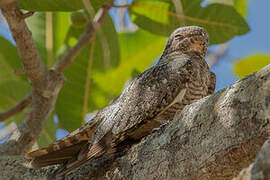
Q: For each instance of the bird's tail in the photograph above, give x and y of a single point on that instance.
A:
(63, 149)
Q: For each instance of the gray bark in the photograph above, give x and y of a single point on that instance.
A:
(260, 168)
(213, 138)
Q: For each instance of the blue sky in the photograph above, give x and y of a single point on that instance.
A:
(255, 41)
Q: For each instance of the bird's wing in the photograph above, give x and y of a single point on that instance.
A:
(65, 148)
(152, 93)
(85, 154)
(131, 116)
(57, 157)
(212, 85)
(148, 95)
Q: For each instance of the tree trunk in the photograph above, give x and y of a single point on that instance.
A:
(213, 138)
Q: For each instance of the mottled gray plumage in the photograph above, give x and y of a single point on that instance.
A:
(181, 77)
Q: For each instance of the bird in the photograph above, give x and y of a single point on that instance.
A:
(180, 77)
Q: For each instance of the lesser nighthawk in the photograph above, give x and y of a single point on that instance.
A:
(181, 77)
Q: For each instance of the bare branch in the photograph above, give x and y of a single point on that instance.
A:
(85, 38)
(214, 57)
(16, 109)
(28, 14)
(5, 2)
(122, 6)
(179, 10)
(45, 85)
(101, 35)
(34, 68)
(19, 71)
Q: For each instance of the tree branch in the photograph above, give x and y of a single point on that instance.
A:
(34, 68)
(84, 39)
(122, 6)
(260, 168)
(28, 14)
(213, 138)
(45, 84)
(214, 57)
(16, 109)
(179, 10)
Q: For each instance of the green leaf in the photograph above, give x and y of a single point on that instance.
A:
(221, 21)
(138, 51)
(75, 98)
(61, 25)
(251, 64)
(49, 32)
(37, 25)
(9, 93)
(9, 81)
(48, 133)
(57, 5)
(10, 96)
(241, 7)
(9, 61)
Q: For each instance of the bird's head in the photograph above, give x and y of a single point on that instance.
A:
(186, 39)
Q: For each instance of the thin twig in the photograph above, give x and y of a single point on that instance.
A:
(85, 38)
(101, 35)
(28, 52)
(179, 10)
(19, 71)
(122, 6)
(16, 109)
(45, 85)
(214, 57)
(27, 14)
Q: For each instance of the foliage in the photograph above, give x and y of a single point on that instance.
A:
(251, 64)
(100, 71)
(221, 21)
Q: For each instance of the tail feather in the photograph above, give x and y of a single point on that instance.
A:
(58, 157)
(84, 155)
(76, 137)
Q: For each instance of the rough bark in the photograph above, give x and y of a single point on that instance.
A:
(213, 138)
(260, 168)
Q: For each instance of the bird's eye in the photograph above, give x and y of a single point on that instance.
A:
(178, 37)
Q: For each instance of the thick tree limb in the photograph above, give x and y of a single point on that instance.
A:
(45, 85)
(213, 138)
(260, 168)
(84, 39)
(16, 109)
(34, 68)
(42, 105)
